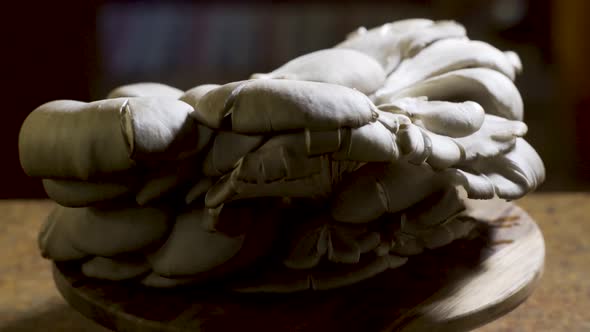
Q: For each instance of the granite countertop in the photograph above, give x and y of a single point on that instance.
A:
(29, 300)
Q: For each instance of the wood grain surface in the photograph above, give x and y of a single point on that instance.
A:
(459, 287)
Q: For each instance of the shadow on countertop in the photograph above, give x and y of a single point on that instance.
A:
(49, 318)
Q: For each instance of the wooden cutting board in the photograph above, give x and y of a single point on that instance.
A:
(456, 288)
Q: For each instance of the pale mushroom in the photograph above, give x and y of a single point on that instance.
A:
(115, 268)
(146, 89)
(53, 240)
(76, 193)
(390, 43)
(317, 175)
(346, 67)
(227, 149)
(447, 55)
(76, 140)
(509, 176)
(261, 106)
(106, 232)
(384, 188)
(191, 248)
(440, 117)
(495, 92)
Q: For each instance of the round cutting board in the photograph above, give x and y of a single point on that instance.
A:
(455, 288)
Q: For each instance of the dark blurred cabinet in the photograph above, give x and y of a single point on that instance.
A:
(571, 42)
(48, 52)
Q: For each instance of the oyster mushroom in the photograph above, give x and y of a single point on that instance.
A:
(445, 56)
(345, 67)
(509, 176)
(335, 167)
(75, 193)
(384, 188)
(76, 140)
(440, 117)
(146, 89)
(105, 232)
(390, 43)
(270, 105)
(53, 240)
(493, 91)
(120, 268)
(227, 149)
(191, 248)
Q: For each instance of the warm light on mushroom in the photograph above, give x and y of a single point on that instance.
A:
(394, 128)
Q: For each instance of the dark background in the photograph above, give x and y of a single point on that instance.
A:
(83, 49)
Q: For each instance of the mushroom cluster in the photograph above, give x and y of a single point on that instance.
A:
(335, 167)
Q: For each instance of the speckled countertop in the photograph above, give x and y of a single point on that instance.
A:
(30, 302)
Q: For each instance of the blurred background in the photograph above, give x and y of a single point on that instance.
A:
(83, 49)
